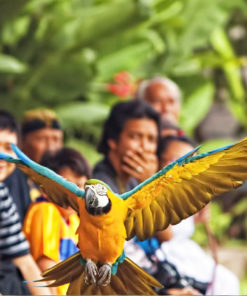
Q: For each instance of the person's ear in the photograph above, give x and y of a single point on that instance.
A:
(112, 144)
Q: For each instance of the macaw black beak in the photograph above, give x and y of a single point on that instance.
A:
(91, 200)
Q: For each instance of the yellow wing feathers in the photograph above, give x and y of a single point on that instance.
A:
(56, 192)
(184, 190)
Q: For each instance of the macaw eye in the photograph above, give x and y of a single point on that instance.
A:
(100, 189)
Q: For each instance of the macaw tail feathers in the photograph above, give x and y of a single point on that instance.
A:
(129, 280)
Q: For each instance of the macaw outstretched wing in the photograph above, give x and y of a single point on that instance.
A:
(182, 188)
(58, 189)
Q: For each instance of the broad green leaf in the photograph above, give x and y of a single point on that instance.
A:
(195, 107)
(233, 75)
(187, 68)
(125, 59)
(222, 45)
(9, 64)
(14, 31)
(75, 114)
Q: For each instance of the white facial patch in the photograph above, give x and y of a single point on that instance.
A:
(103, 201)
(99, 194)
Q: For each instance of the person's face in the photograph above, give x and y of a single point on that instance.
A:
(6, 138)
(71, 176)
(35, 143)
(164, 102)
(137, 136)
(175, 150)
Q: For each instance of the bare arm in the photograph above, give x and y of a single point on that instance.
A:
(46, 263)
(203, 216)
(165, 235)
(30, 272)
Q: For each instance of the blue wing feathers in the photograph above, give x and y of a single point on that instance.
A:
(182, 160)
(23, 159)
(7, 157)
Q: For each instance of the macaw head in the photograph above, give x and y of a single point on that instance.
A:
(96, 198)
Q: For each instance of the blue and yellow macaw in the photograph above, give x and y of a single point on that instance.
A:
(107, 219)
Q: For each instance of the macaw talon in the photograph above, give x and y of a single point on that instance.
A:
(104, 277)
(91, 272)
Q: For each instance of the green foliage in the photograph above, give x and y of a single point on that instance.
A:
(239, 219)
(243, 286)
(214, 144)
(219, 224)
(60, 54)
(9, 64)
(203, 97)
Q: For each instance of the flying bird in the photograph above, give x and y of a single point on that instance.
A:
(107, 219)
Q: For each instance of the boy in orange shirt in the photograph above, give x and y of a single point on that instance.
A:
(49, 228)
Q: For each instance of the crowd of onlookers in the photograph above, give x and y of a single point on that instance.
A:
(139, 137)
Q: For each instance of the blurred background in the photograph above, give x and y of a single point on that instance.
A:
(79, 57)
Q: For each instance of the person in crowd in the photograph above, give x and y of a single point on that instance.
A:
(129, 144)
(16, 262)
(191, 262)
(50, 229)
(40, 132)
(165, 98)
(16, 181)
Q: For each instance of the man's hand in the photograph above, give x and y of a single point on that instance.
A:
(140, 165)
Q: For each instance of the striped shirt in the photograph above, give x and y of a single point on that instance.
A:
(12, 240)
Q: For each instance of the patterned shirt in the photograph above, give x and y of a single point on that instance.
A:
(12, 240)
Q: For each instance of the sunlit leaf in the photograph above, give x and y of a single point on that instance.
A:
(9, 64)
(195, 108)
(231, 66)
(82, 113)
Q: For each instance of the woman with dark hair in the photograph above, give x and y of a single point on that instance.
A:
(51, 229)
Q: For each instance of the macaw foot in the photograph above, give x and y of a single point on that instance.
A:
(91, 272)
(104, 277)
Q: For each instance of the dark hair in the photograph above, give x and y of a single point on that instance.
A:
(166, 141)
(119, 115)
(67, 157)
(8, 122)
(36, 119)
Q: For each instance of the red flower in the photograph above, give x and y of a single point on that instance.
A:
(124, 86)
(122, 77)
